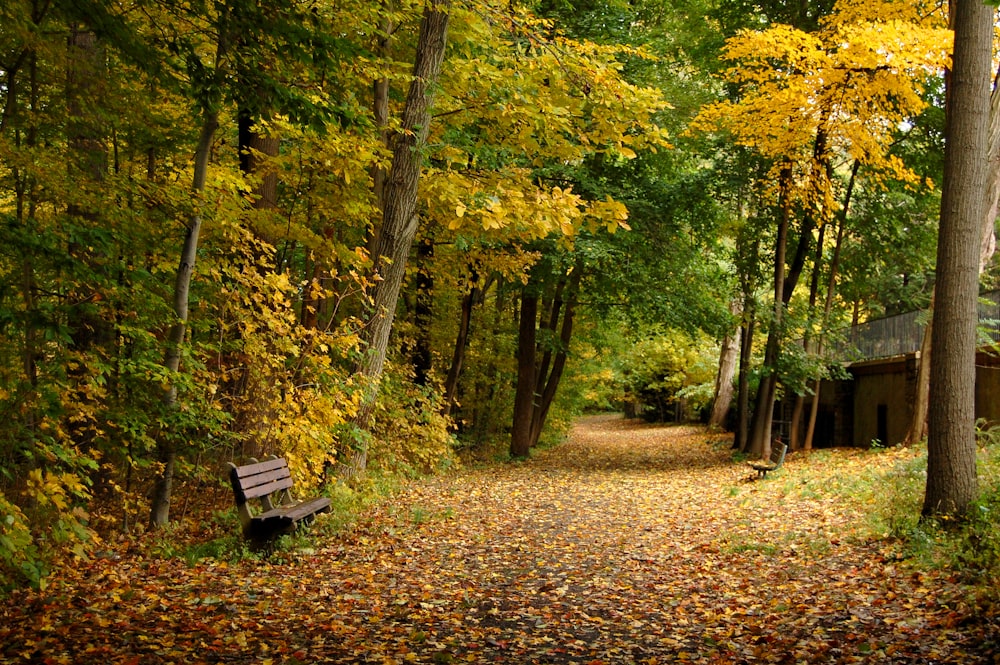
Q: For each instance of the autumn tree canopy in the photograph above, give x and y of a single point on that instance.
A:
(374, 233)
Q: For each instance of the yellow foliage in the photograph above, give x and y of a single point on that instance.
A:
(855, 80)
(531, 100)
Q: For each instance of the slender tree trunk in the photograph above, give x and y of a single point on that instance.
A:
(380, 102)
(547, 382)
(831, 286)
(951, 444)
(399, 212)
(728, 356)
(167, 445)
(922, 390)
(422, 356)
(808, 344)
(742, 440)
(524, 395)
(988, 242)
(458, 355)
(760, 430)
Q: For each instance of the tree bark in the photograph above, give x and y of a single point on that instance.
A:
(167, 444)
(524, 395)
(423, 359)
(809, 343)
(399, 212)
(760, 428)
(922, 391)
(253, 143)
(728, 356)
(987, 248)
(831, 285)
(458, 355)
(951, 444)
(547, 382)
(742, 439)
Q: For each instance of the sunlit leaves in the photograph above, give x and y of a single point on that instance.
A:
(856, 80)
(513, 100)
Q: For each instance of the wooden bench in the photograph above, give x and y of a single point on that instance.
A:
(270, 482)
(778, 449)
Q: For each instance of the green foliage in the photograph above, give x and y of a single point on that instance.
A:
(971, 547)
(411, 435)
(659, 371)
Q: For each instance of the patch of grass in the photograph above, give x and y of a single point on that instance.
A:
(739, 545)
(971, 547)
(418, 515)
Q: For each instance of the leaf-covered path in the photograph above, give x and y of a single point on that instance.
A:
(627, 544)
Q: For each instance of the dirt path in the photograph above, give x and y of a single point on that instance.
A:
(628, 544)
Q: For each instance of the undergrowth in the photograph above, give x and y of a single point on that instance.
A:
(219, 537)
(971, 547)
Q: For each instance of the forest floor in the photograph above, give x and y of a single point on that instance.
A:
(629, 543)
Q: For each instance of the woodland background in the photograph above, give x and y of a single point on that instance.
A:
(212, 220)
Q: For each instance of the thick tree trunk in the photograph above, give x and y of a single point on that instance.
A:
(524, 395)
(951, 443)
(253, 145)
(88, 152)
(987, 248)
(728, 356)
(399, 211)
(167, 444)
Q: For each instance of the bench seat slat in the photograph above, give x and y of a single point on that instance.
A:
(296, 512)
(266, 484)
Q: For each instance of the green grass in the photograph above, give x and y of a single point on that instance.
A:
(969, 547)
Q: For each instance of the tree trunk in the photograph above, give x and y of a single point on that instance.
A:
(760, 429)
(728, 356)
(922, 391)
(988, 242)
(524, 396)
(808, 343)
(422, 356)
(88, 160)
(831, 285)
(167, 444)
(458, 355)
(742, 440)
(399, 211)
(987, 248)
(547, 381)
(951, 436)
(252, 144)
(380, 99)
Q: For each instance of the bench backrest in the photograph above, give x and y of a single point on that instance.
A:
(778, 450)
(260, 479)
